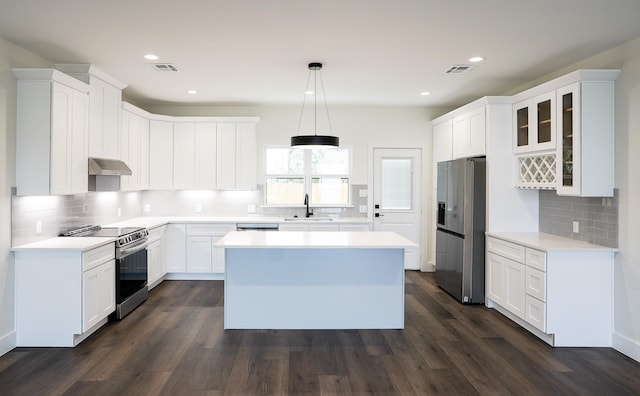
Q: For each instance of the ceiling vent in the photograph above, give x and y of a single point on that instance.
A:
(458, 69)
(164, 67)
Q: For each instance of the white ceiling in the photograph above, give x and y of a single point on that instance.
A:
(374, 51)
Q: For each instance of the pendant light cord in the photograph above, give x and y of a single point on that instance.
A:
(326, 107)
(315, 102)
(304, 100)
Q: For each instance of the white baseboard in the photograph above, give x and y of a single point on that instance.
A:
(7, 342)
(428, 267)
(193, 276)
(626, 346)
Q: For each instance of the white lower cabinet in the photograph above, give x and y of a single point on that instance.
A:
(191, 253)
(505, 283)
(199, 254)
(156, 261)
(98, 294)
(323, 227)
(176, 248)
(202, 255)
(563, 295)
(63, 295)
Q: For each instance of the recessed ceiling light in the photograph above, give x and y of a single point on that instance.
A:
(151, 57)
(192, 92)
(476, 59)
(425, 93)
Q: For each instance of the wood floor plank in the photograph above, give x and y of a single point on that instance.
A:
(175, 344)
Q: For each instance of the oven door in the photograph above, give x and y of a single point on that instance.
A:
(131, 273)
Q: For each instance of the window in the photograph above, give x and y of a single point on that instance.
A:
(292, 173)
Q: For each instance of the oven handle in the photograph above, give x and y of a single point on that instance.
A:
(129, 250)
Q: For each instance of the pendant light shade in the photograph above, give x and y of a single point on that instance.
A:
(304, 141)
(315, 141)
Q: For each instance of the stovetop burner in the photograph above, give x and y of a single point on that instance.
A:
(125, 235)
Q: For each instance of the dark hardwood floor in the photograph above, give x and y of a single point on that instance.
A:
(174, 344)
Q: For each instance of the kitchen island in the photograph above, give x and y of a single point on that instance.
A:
(314, 280)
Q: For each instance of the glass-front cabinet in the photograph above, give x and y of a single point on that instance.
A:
(568, 151)
(585, 152)
(534, 129)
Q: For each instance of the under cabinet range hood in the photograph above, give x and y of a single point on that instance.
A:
(104, 174)
(107, 167)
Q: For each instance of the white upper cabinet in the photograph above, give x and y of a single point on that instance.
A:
(184, 155)
(585, 152)
(134, 138)
(105, 98)
(52, 132)
(195, 147)
(460, 138)
(469, 134)
(160, 155)
(534, 124)
(563, 134)
(205, 156)
(442, 141)
(236, 156)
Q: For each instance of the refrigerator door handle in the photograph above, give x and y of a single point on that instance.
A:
(442, 209)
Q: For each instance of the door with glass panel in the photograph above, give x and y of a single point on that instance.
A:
(396, 196)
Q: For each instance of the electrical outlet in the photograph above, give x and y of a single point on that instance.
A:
(251, 208)
(363, 209)
(576, 227)
(119, 212)
(38, 227)
(363, 193)
(147, 208)
(198, 208)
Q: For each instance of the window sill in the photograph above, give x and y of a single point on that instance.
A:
(303, 206)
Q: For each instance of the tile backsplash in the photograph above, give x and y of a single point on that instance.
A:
(597, 217)
(58, 213)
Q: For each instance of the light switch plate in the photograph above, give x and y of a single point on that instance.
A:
(363, 193)
(576, 227)
(363, 208)
(147, 208)
(251, 208)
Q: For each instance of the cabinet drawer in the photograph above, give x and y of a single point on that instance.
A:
(506, 249)
(354, 227)
(536, 313)
(536, 259)
(324, 227)
(97, 256)
(535, 283)
(210, 229)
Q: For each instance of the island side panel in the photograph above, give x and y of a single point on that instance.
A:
(323, 288)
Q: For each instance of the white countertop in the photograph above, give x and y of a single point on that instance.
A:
(151, 222)
(314, 239)
(548, 242)
(66, 243)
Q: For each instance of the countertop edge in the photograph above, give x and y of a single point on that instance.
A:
(549, 242)
(65, 243)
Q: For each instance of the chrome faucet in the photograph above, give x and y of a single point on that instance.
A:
(306, 202)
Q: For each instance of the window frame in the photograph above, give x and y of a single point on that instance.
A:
(307, 177)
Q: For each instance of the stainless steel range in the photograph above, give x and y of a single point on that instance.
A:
(131, 263)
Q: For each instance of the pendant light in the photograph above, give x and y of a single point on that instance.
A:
(315, 140)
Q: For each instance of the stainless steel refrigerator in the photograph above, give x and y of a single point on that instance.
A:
(460, 228)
